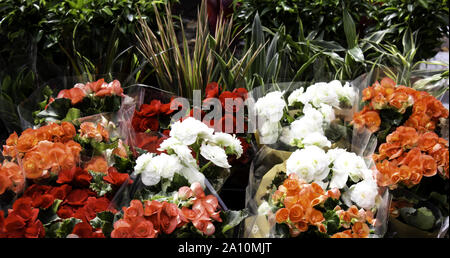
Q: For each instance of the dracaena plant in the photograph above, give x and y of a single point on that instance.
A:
(184, 65)
(400, 65)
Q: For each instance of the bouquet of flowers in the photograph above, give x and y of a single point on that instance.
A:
(188, 212)
(333, 191)
(412, 157)
(79, 101)
(67, 183)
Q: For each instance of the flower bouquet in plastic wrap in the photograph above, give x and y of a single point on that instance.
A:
(411, 157)
(220, 110)
(317, 187)
(168, 192)
(53, 104)
(59, 180)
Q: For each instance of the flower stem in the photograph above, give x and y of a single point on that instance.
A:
(205, 166)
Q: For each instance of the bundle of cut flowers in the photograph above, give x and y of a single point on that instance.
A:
(315, 116)
(412, 158)
(318, 193)
(151, 122)
(58, 181)
(192, 156)
(79, 101)
(188, 212)
(322, 189)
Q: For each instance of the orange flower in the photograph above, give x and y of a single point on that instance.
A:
(69, 130)
(360, 230)
(32, 165)
(389, 150)
(292, 186)
(5, 182)
(296, 213)
(428, 140)
(120, 151)
(26, 141)
(407, 137)
(97, 164)
(429, 166)
(334, 193)
(12, 139)
(314, 216)
(76, 95)
(302, 226)
(282, 215)
(379, 101)
(388, 83)
(343, 234)
(317, 188)
(399, 100)
(372, 121)
(321, 227)
(368, 93)
(290, 201)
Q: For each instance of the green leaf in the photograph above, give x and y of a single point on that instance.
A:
(105, 221)
(61, 229)
(357, 54)
(48, 216)
(233, 218)
(72, 114)
(421, 218)
(98, 184)
(349, 29)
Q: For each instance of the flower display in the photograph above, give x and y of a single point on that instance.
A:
(306, 116)
(152, 218)
(307, 209)
(411, 156)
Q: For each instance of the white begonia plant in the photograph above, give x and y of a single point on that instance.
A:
(188, 130)
(271, 106)
(310, 164)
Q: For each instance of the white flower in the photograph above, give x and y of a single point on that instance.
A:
(311, 122)
(228, 140)
(323, 93)
(346, 93)
(142, 162)
(161, 166)
(193, 175)
(172, 144)
(295, 96)
(339, 179)
(286, 135)
(316, 139)
(350, 164)
(269, 132)
(310, 164)
(333, 154)
(271, 106)
(364, 193)
(327, 113)
(215, 154)
(264, 208)
(188, 130)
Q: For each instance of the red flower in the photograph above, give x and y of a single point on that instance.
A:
(65, 212)
(115, 178)
(231, 101)
(35, 229)
(85, 230)
(150, 110)
(148, 142)
(61, 192)
(77, 197)
(43, 201)
(77, 176)
(169, 217)
(212, 90)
